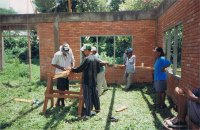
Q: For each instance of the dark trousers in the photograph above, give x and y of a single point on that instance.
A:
(62, 85)
(91, 98)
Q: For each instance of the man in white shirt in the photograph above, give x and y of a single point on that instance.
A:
(130, 68)
(63, 60)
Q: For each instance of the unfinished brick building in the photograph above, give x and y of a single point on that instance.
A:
(148, 29)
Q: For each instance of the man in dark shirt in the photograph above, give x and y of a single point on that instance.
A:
(90, 67)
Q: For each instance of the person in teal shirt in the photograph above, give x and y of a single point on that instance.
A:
(101, 79)
(160, 76)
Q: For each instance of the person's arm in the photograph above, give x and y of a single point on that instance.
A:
(81, 68)
(133, 59)
(73, 60)
(59, 67)
(192, 97)
(166, 63)
(55, 61)
(101, 62)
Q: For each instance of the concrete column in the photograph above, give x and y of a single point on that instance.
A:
(175, 50)
(169, 45)
(56, 34)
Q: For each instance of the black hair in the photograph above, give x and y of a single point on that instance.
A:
(159, 49)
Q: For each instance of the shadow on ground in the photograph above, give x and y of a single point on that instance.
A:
(147, 91)
(8, 124)
(58, 114)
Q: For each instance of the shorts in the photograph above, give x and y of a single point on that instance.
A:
(194, 112)
(160, 85)
(62, 84)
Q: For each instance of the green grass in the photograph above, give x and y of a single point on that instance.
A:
(140, 115)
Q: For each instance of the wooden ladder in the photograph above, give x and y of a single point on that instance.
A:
(50, 94)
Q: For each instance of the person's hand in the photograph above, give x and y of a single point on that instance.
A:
(68, 68)
(180, 91)
(163, 69)
(188, 92)
(106, 63)
(121, 66)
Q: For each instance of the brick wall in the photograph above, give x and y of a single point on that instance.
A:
(143, 32)
(186, 12)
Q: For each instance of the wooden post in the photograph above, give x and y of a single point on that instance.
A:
(48, 91)
(29, 54)
(1, 50)
(81, 101)
(69, 6)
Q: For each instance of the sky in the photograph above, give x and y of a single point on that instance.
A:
(20, 6)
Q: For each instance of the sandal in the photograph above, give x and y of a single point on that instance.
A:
(176, 123)
(113, 119)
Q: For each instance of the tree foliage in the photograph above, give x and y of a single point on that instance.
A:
(115, 5)
(95, 5)
(139, 4)
(44, 5)
(87, 6)
(17, 47)
(7, 11)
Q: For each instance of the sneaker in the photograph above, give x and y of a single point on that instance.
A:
(92, 113)
(97, 111)
(85, 118)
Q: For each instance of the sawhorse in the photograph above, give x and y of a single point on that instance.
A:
(50, 94)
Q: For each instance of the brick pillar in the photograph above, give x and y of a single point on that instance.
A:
(1, 50)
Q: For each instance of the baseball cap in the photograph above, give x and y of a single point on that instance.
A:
(129, 50)
(86, 47)
(94, 49)
(65, 48)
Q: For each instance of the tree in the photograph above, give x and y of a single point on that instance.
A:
(7, 11)
(87, 6)
(44, 6)
(114, 4)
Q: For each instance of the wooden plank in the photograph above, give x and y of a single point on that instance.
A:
(121, 108)
(62, 74)
(65, 92)
(23, 100)
(63, 96)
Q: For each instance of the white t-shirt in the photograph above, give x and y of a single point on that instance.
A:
(62, 60)
(130, 64)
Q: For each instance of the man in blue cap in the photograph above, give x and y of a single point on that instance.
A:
(130, 68)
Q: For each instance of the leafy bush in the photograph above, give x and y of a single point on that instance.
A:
(17, 47)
